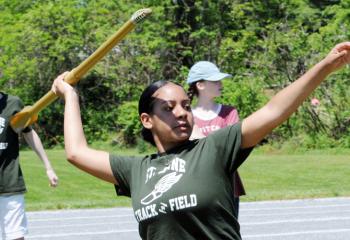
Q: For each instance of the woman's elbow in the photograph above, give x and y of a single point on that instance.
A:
(75, 152)
(73, 156)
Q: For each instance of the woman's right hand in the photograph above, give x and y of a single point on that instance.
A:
(60, 87)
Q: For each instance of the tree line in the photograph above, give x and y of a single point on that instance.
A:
(264, 44)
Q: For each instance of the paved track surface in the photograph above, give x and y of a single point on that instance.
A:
(311, 219)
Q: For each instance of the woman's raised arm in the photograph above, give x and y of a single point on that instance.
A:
(78, 152)
(256, 126)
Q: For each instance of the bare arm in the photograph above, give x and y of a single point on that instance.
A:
(256, 126)
(77, 150)
(35, 143)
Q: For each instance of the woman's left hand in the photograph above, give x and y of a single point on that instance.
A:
(339, 56)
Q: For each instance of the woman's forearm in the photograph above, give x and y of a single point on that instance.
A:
(35, 143)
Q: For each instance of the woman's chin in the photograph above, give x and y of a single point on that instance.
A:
(183, 136)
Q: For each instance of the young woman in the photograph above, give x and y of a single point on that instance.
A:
(184, 191)
(204, 79)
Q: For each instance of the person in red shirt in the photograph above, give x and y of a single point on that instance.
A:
(204, 81)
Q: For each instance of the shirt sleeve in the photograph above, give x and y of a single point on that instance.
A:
(122, 169)
(17, 107)
(232, 115)
(228, 142)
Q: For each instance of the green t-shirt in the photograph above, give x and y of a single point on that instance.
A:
(11, 177)
(186, 193)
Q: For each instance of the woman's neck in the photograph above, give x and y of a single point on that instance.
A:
(164, 148)
(205, 104)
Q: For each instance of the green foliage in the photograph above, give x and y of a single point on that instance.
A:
(242, 94)
(128, 120)
(265, 45)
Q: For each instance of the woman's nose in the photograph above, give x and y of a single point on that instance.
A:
(180, 112)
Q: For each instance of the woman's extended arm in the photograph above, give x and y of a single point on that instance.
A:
(77, 150)
(256, 126)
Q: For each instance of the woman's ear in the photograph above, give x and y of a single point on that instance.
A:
(200, 85)
(146, 120)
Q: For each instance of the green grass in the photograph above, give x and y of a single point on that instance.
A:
(320, 173)
(76, 189)
(266, 175)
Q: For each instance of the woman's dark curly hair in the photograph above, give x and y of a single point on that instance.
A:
(193, 90)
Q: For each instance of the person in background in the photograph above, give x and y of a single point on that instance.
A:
(204, 79)
(13, 221)
(184, 190)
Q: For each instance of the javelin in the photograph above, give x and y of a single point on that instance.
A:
(29, 114)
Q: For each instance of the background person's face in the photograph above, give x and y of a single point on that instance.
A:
(172, 119)
(211, 89)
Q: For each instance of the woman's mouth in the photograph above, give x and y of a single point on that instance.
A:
(183, 126)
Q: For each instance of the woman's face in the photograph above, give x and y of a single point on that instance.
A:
(171, 120)
(210, 89)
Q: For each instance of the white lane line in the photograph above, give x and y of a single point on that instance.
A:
(116, 224)
(308, 200)
(79, 234)
(293, 213)
(296, 221)
(84, 210)
(259, 236)
(31, 219)
(244, 209)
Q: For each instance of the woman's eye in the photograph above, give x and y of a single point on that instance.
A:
(187, 107)
(168, 108)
